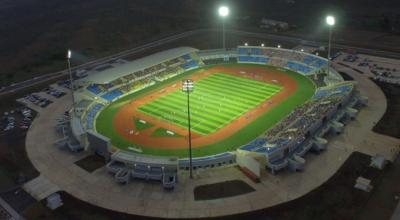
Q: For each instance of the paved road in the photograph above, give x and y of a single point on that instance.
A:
(296, 40)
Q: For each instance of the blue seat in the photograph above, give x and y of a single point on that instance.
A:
(314, 61)
(190, 64)
(92, 114)
(109, 96)
(298, 67)
(250, 59)
(94, 88)
(187, 57)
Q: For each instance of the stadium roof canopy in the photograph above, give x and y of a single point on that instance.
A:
(120, 70)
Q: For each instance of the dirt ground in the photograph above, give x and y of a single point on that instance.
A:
(221, 190)
(124, 117)
(389, 123)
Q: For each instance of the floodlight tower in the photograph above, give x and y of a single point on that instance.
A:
(223, 12)
(69, 54)
(330, 21)
(188, 86)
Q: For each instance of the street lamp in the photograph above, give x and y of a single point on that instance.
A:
(188, 86)
(330, 21)
(69, 54)
(223, 12)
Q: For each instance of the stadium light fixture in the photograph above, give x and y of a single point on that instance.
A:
(69, 55)
(330, 20)
(223, 12)
(188, 87)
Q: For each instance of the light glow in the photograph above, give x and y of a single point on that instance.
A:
(223, 11)
(69, 54)
(330, 20)
(187, 85)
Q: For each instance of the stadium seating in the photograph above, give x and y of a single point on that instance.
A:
(336, 90)
(94, 88)
(254, 145)
(250, 51)
(212, 61)
(92, 114)
(251, 59)
(109, 96)
(298, 61)
(298, 67)
(189, 65)
(314, 61)
(187, 57)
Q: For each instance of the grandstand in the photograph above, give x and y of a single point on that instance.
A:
(109, 84)
(284, 145)
(295, 60)
(296, 134)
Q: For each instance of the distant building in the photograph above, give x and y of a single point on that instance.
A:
(274, 25)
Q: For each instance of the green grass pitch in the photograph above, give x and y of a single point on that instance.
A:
(216, 101)
(304, 92)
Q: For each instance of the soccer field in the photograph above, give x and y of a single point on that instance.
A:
(236, 89)
(216, 101)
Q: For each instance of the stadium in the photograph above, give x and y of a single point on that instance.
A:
(269, 104)
(266, 127)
